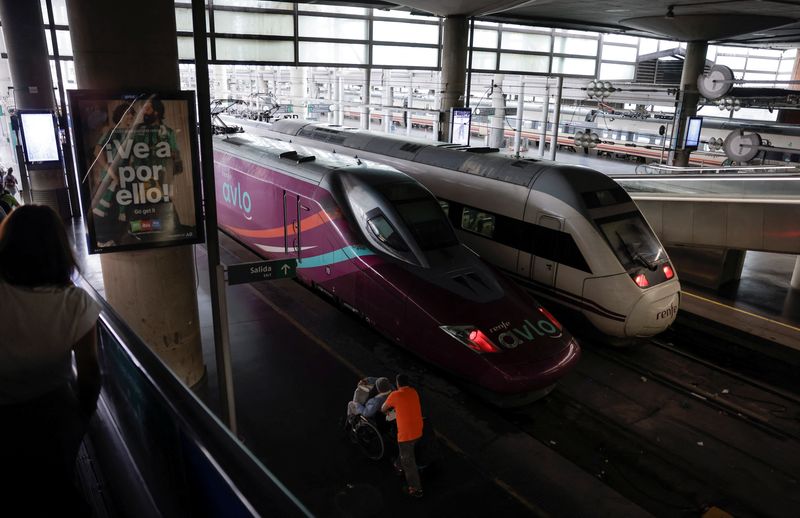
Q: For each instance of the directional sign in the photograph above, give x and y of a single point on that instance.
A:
(261, 271)
(494, 111)
(320, 108)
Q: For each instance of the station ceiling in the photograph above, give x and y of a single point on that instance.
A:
(762, 23)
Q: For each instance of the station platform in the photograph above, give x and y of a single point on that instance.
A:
(761, 303)
(297, 358)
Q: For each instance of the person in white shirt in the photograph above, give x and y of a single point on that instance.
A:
(44, 408)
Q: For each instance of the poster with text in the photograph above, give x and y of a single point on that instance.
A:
(138, 169)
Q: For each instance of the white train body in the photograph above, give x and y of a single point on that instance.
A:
(549, 226)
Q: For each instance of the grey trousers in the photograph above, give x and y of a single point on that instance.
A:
(408, 461)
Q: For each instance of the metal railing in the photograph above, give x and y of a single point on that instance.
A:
(187, 460)
(645, 169)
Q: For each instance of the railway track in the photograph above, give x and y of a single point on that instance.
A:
(772, 410)
(674, 433)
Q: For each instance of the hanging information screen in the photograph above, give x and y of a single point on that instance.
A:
(693, 127)
(460, 125)
(138, 169)
(40, 138)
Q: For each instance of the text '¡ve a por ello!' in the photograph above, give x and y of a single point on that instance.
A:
(133, 179)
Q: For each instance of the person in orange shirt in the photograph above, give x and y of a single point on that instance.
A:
(405, 402)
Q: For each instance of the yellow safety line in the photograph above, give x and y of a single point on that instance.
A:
(793, 328)
(499, 482)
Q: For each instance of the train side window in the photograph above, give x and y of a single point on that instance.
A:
(570, 255)
(479, 222)
(386, 233)
(557, 246)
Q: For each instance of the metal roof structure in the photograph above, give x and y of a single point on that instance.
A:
(762, 23)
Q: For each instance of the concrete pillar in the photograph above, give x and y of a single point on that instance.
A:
(263, 84)
(520, 111)
(297, 80)
(497, 121)
(545, 116)
(340, 99)
(792, 116)
(7, 153)
(153, 290)
(366, 94)
(693, 66)
(556, 118)
(409, 102)
(331, 96)
(454, 70)
(387, 101)
(29, 65)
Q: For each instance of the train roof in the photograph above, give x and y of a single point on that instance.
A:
(309, 163)
(566, 182)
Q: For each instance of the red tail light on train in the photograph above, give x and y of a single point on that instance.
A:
(551, 318)
(472, 338)
(483, 344)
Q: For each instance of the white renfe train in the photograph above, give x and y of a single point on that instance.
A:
(569, 234)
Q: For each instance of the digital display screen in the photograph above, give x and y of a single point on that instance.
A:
(693, 127)
(39, 137)
(460, 125)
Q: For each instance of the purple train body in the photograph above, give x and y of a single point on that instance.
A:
(378, 242)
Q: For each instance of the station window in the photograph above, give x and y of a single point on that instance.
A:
(479, 222)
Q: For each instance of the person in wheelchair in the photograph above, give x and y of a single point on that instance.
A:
(365, 425)
(369, 396)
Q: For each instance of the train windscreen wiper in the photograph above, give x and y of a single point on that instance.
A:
(636, 257)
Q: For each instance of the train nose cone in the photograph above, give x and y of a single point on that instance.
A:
(654, 311)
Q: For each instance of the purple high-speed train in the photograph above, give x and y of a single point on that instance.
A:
(379, 243)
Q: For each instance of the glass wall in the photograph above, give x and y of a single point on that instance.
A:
(298, 52)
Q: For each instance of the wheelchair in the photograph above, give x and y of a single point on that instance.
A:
(364, 432)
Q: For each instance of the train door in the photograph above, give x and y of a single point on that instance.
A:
(545, 263)
(294, 210)
(525, 264)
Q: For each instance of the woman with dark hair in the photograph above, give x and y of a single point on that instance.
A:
(45, 319)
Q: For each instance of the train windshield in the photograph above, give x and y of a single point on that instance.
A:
(422, 214)
(632, 241)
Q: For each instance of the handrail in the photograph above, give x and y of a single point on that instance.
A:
(669, 169)
(204, 443)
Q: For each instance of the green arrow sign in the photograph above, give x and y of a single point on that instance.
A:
(261, 271)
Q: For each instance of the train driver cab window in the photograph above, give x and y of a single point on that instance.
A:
(633, 242)
(479, 222)
(421, 214)
(385, 232)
